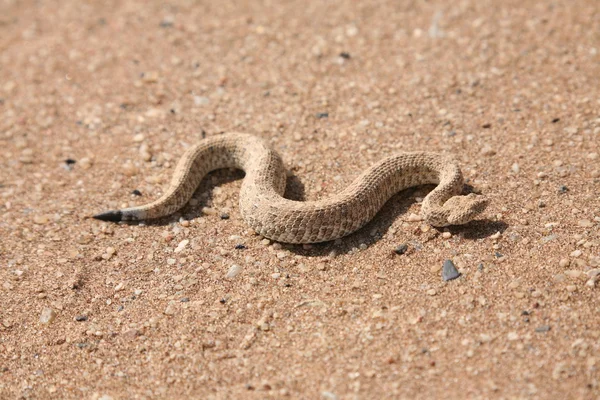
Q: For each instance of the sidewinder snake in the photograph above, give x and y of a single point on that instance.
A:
(264, 208)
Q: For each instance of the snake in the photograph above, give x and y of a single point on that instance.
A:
(271, 215)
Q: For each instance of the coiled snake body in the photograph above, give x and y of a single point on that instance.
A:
(264, 208)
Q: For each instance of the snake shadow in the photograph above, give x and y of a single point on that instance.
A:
(372, 232)
(394, 208)
(294, 190)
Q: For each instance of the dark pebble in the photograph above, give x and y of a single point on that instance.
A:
(524, 312)
(136, 192)
(166, 24)
(563, 189)
(449, 271)
(498, 255)
(543, 328)
(225, 216)
(120, 308)
(185, 299)
(555, 120)
(322, 115)
(222, 301)
(81, 318)
(486, 126)
(401, 249)
(240, 247)
(345, 55)
(70, 161)
(480, 266)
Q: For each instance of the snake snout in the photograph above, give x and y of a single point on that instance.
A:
(464, 209)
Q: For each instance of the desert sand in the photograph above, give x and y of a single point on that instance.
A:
(99, 99)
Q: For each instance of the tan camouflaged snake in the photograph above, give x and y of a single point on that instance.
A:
(271, 215)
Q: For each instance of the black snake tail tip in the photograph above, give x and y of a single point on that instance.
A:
(112, 216)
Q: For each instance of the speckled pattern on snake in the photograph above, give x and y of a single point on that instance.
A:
(264, 208)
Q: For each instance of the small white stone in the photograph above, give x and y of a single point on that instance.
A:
(208, 211)
(575, 253)
(412, 217)
(47, 316)
(234, 271)
(181, 246)
(201, 101)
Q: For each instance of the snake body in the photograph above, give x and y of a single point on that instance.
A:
(264, 208)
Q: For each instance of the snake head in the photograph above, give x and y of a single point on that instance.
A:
(462, 209)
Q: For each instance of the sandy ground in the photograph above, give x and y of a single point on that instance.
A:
(104, 311)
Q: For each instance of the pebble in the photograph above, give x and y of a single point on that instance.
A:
(575, 253)
(515, 168)
(40, 219)
(563, 189)
(234, 271)
(401, 249)
(128, 169)
(563, 263)
(224, 216)
(208, 211)
(47, 316)
(201, 101)
(594, 273)
(446, 235)
(81, 318)
(573, 273)
(585, 223)
(543, 328)
(412, 217)
(487, 151)
(170, 309)
(432, 292)
(85, 163)
(571, 288)
(449, 271)
(181, 246)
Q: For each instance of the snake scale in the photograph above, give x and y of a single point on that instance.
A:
(264, 208)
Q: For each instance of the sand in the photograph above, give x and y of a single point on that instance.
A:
(99, 99)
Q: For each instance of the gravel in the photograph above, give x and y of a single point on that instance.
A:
(449, 271)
